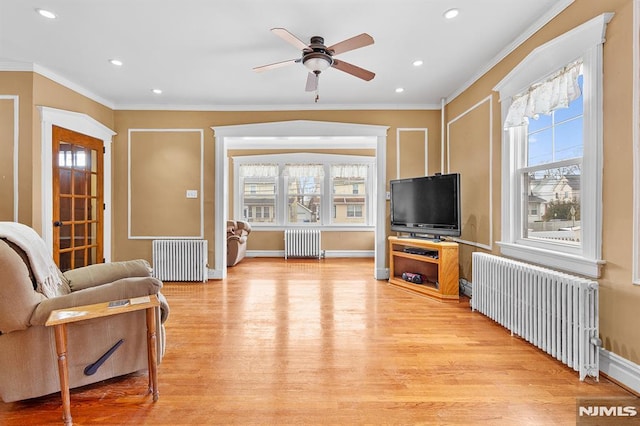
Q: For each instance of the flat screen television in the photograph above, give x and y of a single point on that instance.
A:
(427, 207)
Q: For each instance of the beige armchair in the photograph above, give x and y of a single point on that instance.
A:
(28, 359)
(237, 232)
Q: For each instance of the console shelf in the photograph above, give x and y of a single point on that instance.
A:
(438, 266)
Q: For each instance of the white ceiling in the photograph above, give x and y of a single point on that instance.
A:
(201, 52)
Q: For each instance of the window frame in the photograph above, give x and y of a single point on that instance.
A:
(583, 41)
(326, 210)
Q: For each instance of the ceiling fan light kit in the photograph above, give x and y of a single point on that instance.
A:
(316, 57)
(317, 62)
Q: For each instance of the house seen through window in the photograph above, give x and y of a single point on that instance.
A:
(551, 173)
(319, 189)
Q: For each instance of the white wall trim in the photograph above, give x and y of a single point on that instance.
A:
(80, 123)
(327, 253)
(635, 121)
(201, 189)
(620, 369)
(297, 128)
(426, 147)
(288, 107)
(443, 132)
(490, 165)
(16, 151)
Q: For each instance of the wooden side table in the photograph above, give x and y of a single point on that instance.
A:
(61, 317)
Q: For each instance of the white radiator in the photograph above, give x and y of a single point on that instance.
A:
(556, 312)
(302, 243)
(180, 260)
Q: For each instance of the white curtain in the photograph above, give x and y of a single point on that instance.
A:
(543, 98)
(349, 171)
(259, 170)
(303, 170)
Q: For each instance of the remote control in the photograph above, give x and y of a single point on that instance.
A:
(116, 303)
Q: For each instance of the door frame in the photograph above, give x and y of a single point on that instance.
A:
(81, 123)
(298, 128)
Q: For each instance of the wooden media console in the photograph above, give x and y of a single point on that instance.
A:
(435, 262)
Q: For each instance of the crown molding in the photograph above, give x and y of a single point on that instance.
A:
(535, 27)
(45, 72)
(289, 107)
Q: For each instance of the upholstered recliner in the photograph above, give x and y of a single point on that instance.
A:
(28, 359)
(237, 232)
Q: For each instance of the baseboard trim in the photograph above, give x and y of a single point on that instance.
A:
(348, 253)
(466, 288)
(214, 274)
(327, 253)
(382, 274)
(621, 370)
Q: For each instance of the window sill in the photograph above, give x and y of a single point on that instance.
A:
(553, 259)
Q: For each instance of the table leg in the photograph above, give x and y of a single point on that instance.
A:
(152, 352)
(63, 371)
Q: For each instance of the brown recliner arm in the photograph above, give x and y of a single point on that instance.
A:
(243, 228)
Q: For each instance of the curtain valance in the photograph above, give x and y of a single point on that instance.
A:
(547, 96)
(349, 171)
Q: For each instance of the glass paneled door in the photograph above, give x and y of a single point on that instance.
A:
(78, 199)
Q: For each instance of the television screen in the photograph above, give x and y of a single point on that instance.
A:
(426, 205)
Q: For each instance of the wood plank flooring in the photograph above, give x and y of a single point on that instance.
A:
(323, 342)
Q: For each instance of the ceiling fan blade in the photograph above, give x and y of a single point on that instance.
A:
(353, 70)
(275, 65)
(352, 43)
(290, 38)
(312, 82)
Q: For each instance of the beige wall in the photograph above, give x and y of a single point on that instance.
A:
(18, 84)
(8, 130)
(619, 298)
(125, 248)
(167, 164)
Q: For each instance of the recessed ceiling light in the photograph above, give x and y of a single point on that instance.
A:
(116, 62)
(417, 63)
(156, 91)
(47, 14)
(399, 90)
(451, 13)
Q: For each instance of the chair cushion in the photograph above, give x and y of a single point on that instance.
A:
(102, 273)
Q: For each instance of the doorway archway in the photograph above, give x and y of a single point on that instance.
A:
(289, 129)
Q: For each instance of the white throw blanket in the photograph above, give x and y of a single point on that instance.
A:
(44, 268)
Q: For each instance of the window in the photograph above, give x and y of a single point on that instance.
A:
(354, 210)
(349, 182)
(304, 184)
(305, 189)
(553, 144)
(552, 153)
(259, 191)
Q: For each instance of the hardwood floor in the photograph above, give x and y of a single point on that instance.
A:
(323, 342)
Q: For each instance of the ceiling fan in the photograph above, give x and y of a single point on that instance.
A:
(317, 57)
